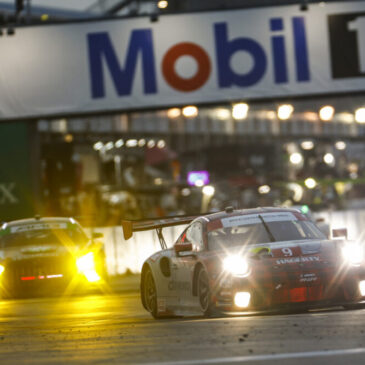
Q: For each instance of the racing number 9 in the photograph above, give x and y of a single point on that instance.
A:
(287, 251)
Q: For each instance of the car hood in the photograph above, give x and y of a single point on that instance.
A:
(287, 249)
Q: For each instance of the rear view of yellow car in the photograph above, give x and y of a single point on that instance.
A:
(48, 256)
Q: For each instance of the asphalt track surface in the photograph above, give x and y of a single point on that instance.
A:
(115, 329)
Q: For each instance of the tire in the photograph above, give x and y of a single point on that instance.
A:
(354, 306)
(204, 294)
(149, 293)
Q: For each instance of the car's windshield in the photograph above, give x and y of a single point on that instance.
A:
(263, 232)
(38, 235)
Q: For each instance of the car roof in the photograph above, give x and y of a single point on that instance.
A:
(238, 212)
(41, 220)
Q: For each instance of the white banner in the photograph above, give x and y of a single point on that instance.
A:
(134, 63)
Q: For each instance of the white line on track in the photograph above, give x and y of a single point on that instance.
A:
(241, 359)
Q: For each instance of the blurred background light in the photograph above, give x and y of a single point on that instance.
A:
(222, 113)
(297, 190)
(185, 192)
(296, 158)
(201, 176)
(161, 143)
(208, 190)
(307, 145)
(360, 115)
(190, 111)
(326, 113)
(162, 4)
(310, 183)
(151, 143)
(173, 113)
(141, 142)
(329, 159)
(98, 146)
(264, 189)
(109, 146)
(285, 111)
(119, 143)
(340, 145)
(131, 143)
(239, 111)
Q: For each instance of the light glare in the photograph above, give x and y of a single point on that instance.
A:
(326, 113)
(340, 145)
(174, 113)
(310, 183)
(329, 159)
(236, 265)
(242, 299)
(199, 183)
(161, 144)
(109, 146)
(162, 4)
(360, 115)
(307, 145)
(264, 189)
(362, 288)
(190, 111)
(353, 253)
(208, 190)
(98, 146)
(285, 111)
(131, 143)
(151, 143)
(239, 111)
(119, 143)
(296, 158)
(86, 266)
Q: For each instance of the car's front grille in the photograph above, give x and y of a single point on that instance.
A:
(39, 267)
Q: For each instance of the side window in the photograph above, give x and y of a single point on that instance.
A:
(181, 239)
(195, 235)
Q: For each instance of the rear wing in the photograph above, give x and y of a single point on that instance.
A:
(145, 225)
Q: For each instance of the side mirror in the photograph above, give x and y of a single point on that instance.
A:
(185, 247)
(339, 233)
(96, 235)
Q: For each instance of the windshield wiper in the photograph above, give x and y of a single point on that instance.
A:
(272, 238)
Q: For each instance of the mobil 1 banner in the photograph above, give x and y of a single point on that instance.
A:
(126, 64)
(347, 44)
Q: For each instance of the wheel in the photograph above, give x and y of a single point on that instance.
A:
(204, 293)
(354, 306)
(149, 293)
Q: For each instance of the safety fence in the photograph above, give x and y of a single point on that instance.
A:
(123, 256)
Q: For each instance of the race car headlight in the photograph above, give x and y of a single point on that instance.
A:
(353, 253)
(86, 265)
(2, 268)
(236, 265)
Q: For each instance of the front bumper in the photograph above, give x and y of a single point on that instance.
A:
(274, 293)
(44, 275)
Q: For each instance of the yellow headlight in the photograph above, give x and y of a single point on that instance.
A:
(2, 268)
(86, 265)
(86, 262)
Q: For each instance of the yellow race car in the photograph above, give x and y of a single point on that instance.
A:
(48, 255)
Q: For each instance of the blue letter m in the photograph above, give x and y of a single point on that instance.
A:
(100, 46)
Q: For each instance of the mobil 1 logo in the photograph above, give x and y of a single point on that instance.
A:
(347, 42)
